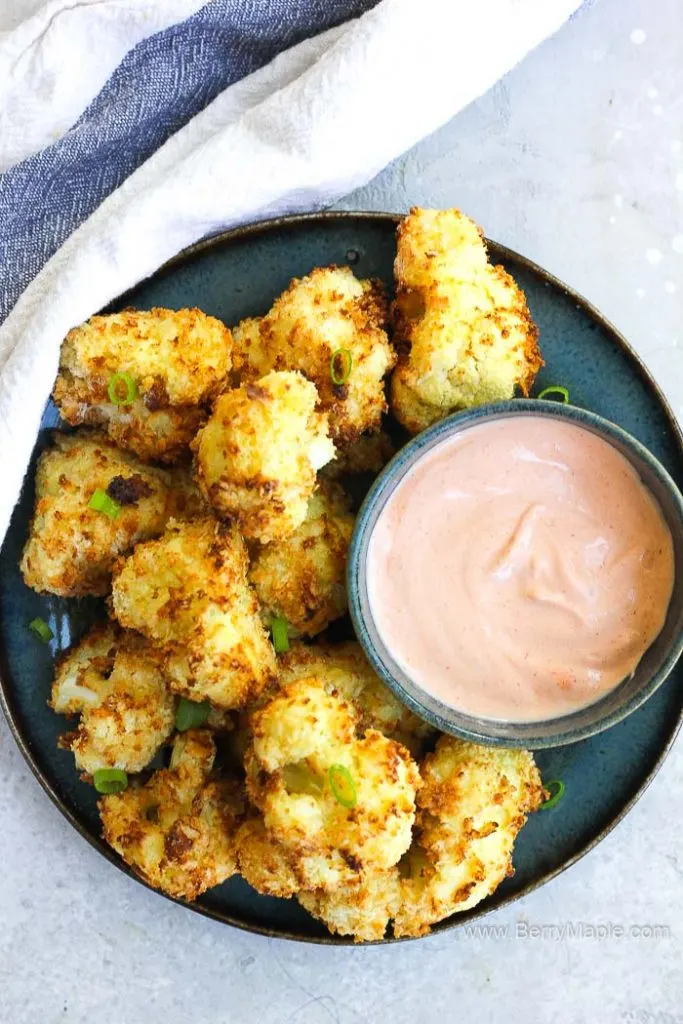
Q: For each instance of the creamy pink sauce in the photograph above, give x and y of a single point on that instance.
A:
(520, 570)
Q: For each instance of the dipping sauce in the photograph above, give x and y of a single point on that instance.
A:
(520, 569)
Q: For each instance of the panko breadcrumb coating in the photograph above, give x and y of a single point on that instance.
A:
(473, 802)
(302, 577)
(362, 910)
(315, 317)
(257, 457)
(344, 669)
(177, 831)
(113, 680)
(71, 548)
(301, 739)
(178, 361)
(263, 862)
(461, 324)
(188, 593)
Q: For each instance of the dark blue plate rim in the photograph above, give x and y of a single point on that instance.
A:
(32, 758)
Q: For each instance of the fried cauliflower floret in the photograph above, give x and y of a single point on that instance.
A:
(263, 862)
(315, 317)
(369, 454)
(178, 361)
(114, 682)
(362, 910)
(188, 593)
(464, 323)
(473, 802)
(177, 831)
(71, 547)
(257, 457)
(305, 747)
(302, 577)
(344, 669)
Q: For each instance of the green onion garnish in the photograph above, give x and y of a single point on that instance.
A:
(555, 389)
(117, 382)
(280, 634)
(110, 780)
(101, 502)
(190, 714)
(340, 365)
(41, 630)
(559, 787)
(342, 785)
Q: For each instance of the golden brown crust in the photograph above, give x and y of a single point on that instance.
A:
(114, 681)
(473, 802)
(71, 548)
(299, 738)
(178, 360)
(302, 577)
(177, 831)
(344, 669)
(263, 862)
(188, 593)
(362, 910)
(162, 435)
(462, 326)
(257, 457)
(316, 316)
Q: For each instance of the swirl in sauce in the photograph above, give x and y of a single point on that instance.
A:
(520, 570)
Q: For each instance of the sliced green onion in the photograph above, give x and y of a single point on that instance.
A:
(110, 780)
(41, 630)
(101, 502)
(114, 389)
(559, 787)
(342, 785)
(280, 633)
(346, 362)
(555, 389)
(190, 714)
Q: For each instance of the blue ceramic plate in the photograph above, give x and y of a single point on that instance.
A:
(238, 275)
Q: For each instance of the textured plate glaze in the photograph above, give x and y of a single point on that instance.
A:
(236, 275)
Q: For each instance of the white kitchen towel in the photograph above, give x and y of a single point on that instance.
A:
(57, 60)
(322, 118)
(51, 67)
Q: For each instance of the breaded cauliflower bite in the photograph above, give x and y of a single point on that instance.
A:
(362, 910)
(71, 547)
(177, 361)
(257, 457)
(326, 313)
(263, 862)
(113, 680)
(339, 804)
(462, 325)
(301, 578)
(177, 831)
(188, 593)
(344, 669)
(473, 802)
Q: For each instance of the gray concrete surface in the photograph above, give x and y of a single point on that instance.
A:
(576, 160)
